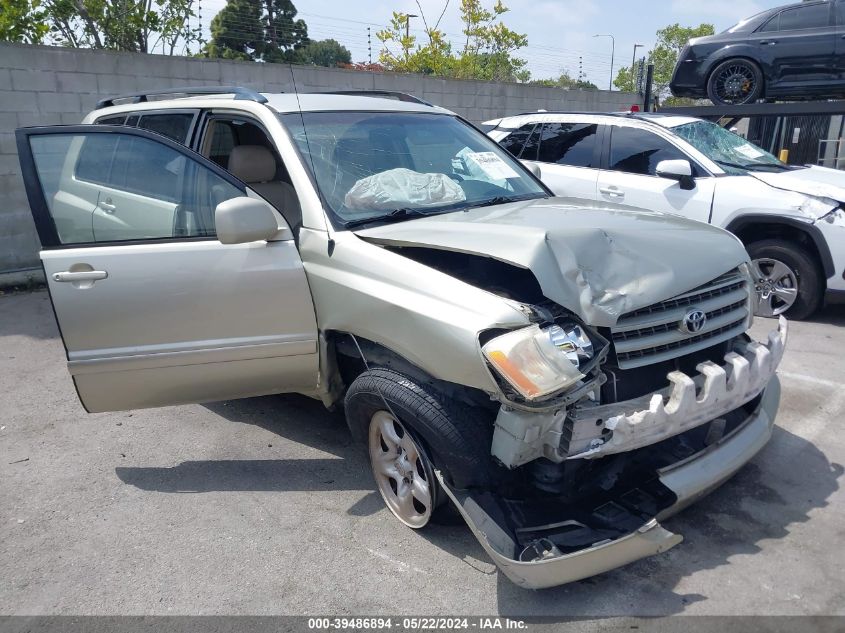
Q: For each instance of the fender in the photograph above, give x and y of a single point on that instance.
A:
(738, 224)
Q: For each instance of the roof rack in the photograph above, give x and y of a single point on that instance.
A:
(384, 94)
(141, 97)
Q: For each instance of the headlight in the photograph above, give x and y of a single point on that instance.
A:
(533, 364)
(571, 340)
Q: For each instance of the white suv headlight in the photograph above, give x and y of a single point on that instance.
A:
(533, 364)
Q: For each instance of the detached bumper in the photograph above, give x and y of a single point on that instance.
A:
(688, 480)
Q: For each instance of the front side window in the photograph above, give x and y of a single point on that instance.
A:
(109, 187)
(515, 141)
(730, 151)
(638, 151)
(569, 144)
(387, 166)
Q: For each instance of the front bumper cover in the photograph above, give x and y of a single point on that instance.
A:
(595, 431)
(689, 480)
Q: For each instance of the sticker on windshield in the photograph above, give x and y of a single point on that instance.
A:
(749, 151)
(492, 166)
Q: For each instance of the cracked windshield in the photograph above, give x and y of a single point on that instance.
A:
(382, 166)
(732, 152)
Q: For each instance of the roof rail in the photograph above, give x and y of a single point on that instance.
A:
(385, 94)
(141, 97)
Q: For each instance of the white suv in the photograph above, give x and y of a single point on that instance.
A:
(790, 219)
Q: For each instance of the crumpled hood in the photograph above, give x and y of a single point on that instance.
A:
(821, 182)
(596, 260)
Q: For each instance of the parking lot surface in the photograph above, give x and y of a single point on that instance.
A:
(264, 506)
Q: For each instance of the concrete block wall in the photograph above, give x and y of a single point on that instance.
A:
(43, 85)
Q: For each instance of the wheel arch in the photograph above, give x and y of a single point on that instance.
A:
(751, 228)
(347, 350)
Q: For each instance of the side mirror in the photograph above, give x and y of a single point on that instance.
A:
(241, 220)
(534, 168)
(679, 170)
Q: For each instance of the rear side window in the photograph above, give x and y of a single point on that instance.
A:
(173, 125)
(638, 151)
(812, 16)
(516, 140)
(568, 144)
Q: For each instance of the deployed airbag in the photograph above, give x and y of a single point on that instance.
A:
(400, 188)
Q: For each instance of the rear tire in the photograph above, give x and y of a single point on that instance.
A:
(735, 82)
(787, 277)
(448, 435)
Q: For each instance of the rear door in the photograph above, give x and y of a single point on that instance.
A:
(630, 175)
(152, 308)
(800, 44)
(568, 155)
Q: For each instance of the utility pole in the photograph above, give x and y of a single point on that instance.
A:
(612, 55)
(580, 68)
(369, 47)
(408, 17)
(634, 58)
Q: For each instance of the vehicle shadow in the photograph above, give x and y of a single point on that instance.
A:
(760, 503)
(832, 314)
(28, 314)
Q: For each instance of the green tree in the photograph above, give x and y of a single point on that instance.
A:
(283, 33)
(23, 21)
(487, 52)
(670, 42)
(125, 25)
(565, 80)
(265, 30)
(328, 53)
(237, 31)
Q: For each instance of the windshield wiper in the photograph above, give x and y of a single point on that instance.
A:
(502, 200)
(396, 214)
(727, 163)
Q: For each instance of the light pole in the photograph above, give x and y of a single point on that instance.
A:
(612, 55)
(408, 17)
(634, 58)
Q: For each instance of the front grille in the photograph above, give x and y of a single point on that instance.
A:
(653, 334)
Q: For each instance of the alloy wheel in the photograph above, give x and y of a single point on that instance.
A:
(735, 83)
(402, 472)
(776, 285)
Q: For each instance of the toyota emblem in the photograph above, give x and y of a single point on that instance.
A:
(693, 321)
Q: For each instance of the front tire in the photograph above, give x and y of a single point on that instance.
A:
(410, 429)
(735, 82)
(787, 279)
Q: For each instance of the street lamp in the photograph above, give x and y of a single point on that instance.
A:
(634, 58)
(408, 17)
(612, 55)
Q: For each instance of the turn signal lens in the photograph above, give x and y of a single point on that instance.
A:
(529, 361)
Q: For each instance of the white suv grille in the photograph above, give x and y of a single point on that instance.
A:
(653, 334)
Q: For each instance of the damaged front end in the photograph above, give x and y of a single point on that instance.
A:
(596, 468)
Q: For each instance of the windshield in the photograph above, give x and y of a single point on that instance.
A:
(380, 166)
(730, 151)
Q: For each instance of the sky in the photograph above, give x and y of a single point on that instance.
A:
(560, 32)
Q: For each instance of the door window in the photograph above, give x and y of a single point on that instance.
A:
(112, 187)
(638, 151)
(516, 141)
(568, 144)
(812, 16)
(173, 125)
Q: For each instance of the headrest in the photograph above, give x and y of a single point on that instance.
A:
(252, 163)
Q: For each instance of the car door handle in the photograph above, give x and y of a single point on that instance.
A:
(106, 206)
(82, 275)
(612, 191)
(768, 42)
